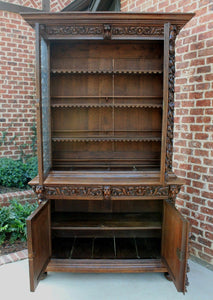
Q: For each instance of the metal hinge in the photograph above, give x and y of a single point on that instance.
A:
(180, 254)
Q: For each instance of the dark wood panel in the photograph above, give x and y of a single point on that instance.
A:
(63, 51)
(131, 206)
(103, 248)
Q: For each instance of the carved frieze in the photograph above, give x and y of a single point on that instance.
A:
(74, 191)
(139, 191)
(105, 30)
(138, 30)
(106, 192)
(75, 30)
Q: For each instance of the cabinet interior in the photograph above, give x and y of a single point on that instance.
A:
(106, 105)
(116, 230)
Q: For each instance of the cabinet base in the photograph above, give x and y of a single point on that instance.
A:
(106, 265)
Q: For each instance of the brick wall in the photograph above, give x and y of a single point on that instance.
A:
(17, 79)
(17, 83)
(193, 142)
(22, 197)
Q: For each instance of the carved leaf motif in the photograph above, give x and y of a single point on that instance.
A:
(75, 30)
(138, 30)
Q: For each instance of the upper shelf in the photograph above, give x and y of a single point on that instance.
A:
(69, 71)
(82, 65)
(107, 101)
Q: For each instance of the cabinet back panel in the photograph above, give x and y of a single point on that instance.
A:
(63, 52)
(131, 206)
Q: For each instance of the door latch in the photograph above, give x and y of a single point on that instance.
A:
(180, 254)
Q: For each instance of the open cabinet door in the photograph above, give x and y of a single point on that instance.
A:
(39, 242)
(175, 245)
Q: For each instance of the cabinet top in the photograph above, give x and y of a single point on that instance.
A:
(105, 25)
(179, 19)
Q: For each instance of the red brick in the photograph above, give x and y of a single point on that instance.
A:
(200, 169)
(209, 235)
(198, 184)
(206, 226)
(210, 203)
(197, 95)
(203, 103)
(209, 251)
(204, 242)
(192, 191)
(209, 111)
(199, 217)
(204, 120)
(208, 162)
(205, 69)
(192, 206)
(206, 210)
(196, 111)
(202, 136)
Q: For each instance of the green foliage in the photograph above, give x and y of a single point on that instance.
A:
(15, 173)
(32, 167)
(13, 221)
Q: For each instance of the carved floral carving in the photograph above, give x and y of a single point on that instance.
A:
(75, 30)
(74, 191)
(140, 191)
(138, 30)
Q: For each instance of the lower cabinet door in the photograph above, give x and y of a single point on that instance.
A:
(39, 242)
(175, 233)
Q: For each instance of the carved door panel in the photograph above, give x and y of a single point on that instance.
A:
(175, 245)
(39, 242)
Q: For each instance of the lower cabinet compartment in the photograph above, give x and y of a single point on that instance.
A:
(106, 248)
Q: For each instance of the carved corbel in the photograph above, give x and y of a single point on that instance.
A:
(173, 191)
(40, 191)
(107, 32)
(107, 192)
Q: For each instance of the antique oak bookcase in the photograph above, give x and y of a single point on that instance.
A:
(105, 105)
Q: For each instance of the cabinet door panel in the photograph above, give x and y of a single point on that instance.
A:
(175, 245)
(39, 242)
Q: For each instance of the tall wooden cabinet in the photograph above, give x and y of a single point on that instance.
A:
(105, 104)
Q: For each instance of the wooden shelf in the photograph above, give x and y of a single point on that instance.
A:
(68, 71)
(95, 105)
(106, 139)
(103, 221)
(106, 101)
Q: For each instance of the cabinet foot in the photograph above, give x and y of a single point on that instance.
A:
(167, 276)
(43, 276)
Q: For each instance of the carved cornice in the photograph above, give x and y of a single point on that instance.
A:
(170, 121)
(106, 31)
